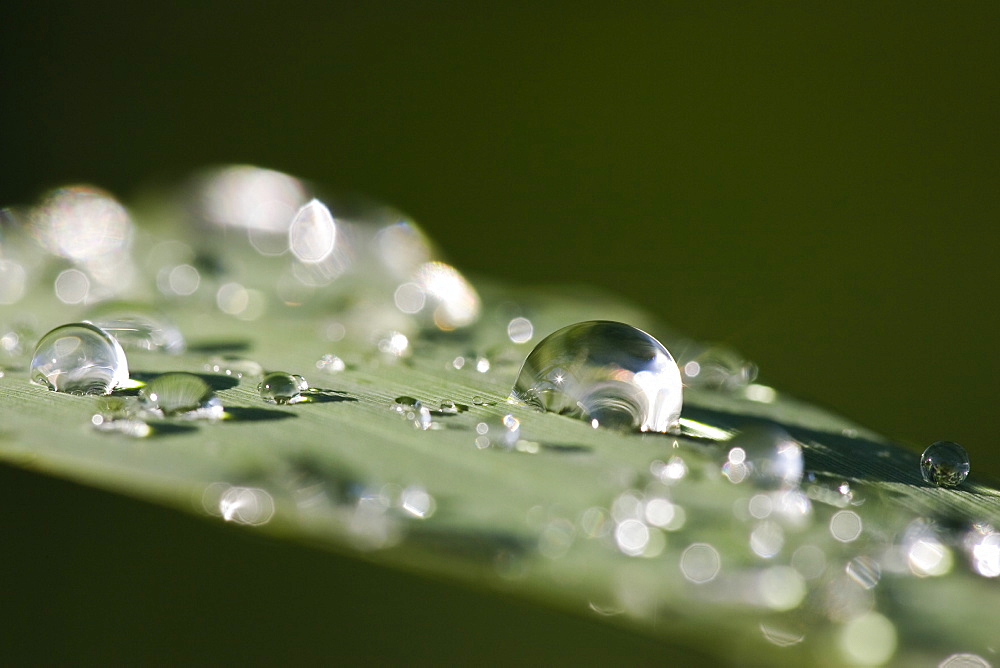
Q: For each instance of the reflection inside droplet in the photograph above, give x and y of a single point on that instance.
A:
(605, 371)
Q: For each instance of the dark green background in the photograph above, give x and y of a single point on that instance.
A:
(815, 187)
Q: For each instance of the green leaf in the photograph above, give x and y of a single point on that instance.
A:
(536, 522)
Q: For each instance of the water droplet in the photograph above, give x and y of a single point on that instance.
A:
(313, 233)
(282, 388)
(478, 401)
(448, 407)
(450, 301)
(845, 526)
(81, 223)
(520, 330)
(417, 502)
(868, 640)
(179, 394)
(767, 455)
(72, 286)
(864, 570)
(945, 464)
(719, 368)
(138, 327)
(250, 197)
(79, 358)
(395, 344)
(964, 660)
(13, 279)
(700, 563)
(605, 371)
(330, 364)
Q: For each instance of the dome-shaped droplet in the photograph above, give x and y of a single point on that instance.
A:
(282, 388)
(767, 455)
(79, 358)
(602, 371)
(180, 394)
(944, 464)
(138, 327)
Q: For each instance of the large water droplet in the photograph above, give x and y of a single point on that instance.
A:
(282, 388)
(79, 358)
(180, 395)
(138, 327)
(602, 371)
(945, 464)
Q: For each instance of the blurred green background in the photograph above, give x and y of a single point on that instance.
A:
(815, 187)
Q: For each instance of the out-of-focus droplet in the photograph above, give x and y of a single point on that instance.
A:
(138, 327)
(700, 563)
(520, 330)
(845, 526)
(246, 505)
(282, 388)
(450, 301)
(13, 280)
(313, 233)
(926, 555)
(945, 464)
(179, 394)
(250, 197)
(605, 371)
(964, 660)
(330, 364)
(81, 223)
(719, 368)
(868, 640)
(72, 286)
(768, 456)
(864, 570)
(416, 501)
(983, 546)
(394, 344)
(79, 358)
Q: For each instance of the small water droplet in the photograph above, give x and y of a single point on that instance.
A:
(605, 371)
(767, 455)
(395, 344)
(79, 358)
(864, 570)
(478, 400)
(279, 387)
(138, 327)
(719, 368)
(179, 394)
(448, 407)
(520, 330)
(945, 464)
(330, 364)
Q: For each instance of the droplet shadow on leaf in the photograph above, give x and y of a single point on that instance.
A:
(245, 414)
(215, 381)
(316, 395)
(219, 347)
(567, 448)
(159, 429)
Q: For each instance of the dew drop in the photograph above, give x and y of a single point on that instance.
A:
(448, 407)
(605, 371)
(767, 455)
(179, 394)
(282, 388)
(79, 358)
(330, 364)
(719, 368)
(138, 327)
(945, 464)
